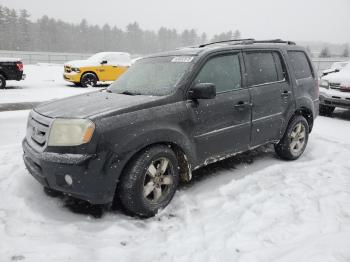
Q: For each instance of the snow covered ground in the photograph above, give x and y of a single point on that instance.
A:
(43, 82)
(250, 208)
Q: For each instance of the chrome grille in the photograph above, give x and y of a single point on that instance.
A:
(334, 85)
(37, 130)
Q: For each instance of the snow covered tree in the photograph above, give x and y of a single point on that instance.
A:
(18, 32)
(346, 52)
(24, 30)
(237, 34)
(325, 52)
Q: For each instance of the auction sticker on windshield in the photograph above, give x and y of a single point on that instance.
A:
(182, 59)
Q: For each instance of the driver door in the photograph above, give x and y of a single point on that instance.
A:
(221, 126)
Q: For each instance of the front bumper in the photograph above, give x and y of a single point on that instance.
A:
(333, 97)
(90, 182)
(72, 77)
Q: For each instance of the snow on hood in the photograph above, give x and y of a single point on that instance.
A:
(342, 77)
(10, 59)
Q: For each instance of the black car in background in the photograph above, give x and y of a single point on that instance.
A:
(170, 114)
(10, 69)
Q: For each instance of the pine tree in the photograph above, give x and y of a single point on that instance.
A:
(237, 34)
(346, 52)
(24, 30)
(325, 52)
(18, 32)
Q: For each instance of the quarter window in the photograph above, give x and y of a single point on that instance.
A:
(223, 71)
(261, 68)
(300, 64)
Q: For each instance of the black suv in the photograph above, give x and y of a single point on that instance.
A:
(170, 114)
(10, 69)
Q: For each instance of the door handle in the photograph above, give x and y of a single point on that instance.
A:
(286, 93)
(241, 105)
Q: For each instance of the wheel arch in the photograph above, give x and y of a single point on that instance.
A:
(3, 74)
(307, 114)
(182, 158)
(89, 72)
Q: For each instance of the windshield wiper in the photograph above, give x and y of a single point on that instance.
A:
(130, 93)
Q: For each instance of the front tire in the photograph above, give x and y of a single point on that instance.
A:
(295, 139)
(326, 110)
(149, 182)
(2, 82)
(88, 80)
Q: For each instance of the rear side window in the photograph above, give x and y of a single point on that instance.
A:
(261, 68)
(300, 64)
(223, 71)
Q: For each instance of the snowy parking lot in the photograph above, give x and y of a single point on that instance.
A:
(253, 207)
(43, 82)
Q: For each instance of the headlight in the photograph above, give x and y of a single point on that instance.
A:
(324, 84)
(76, 70)
(70, 132)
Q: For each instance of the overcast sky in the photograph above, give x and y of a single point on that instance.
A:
(310, 20)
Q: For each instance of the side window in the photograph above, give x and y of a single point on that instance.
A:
(261, 68)
(280, 67)
(223, 71)
(300, 64)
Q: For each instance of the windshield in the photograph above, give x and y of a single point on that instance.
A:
(152, 76)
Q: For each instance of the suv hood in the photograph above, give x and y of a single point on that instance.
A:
(82, 63)
(342, 77)
(93, 104)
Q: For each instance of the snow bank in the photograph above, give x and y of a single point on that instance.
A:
(269, 210)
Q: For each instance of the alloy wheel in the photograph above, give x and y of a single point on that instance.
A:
(297, 139)
(158, 180)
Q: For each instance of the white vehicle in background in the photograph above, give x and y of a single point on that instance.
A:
(335, 68)
(335, 90)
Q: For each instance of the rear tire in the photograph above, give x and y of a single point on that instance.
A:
(88, 80)
(326, 110)
(295, 139)
(2, 82)
(149, 182)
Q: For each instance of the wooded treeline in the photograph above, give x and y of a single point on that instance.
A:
(19, 32)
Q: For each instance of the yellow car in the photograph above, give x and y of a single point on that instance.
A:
(101, 67)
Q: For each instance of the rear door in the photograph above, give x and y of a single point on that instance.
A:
(305, 76)
(271, 94)
(222, 125)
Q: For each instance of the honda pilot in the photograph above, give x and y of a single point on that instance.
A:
(170, 114)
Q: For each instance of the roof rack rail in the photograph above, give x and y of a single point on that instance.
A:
(226, 41)
(273, 41)
(248, 41)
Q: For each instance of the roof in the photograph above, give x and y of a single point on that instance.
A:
(228, 45)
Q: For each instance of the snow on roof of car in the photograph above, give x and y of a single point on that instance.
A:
(117, 58)
(9, 59)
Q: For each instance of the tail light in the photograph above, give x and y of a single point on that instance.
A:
(20, 66)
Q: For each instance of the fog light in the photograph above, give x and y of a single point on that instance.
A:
(68, 179)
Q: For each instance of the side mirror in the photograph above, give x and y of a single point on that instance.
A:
(104, 62)
(203, 91)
